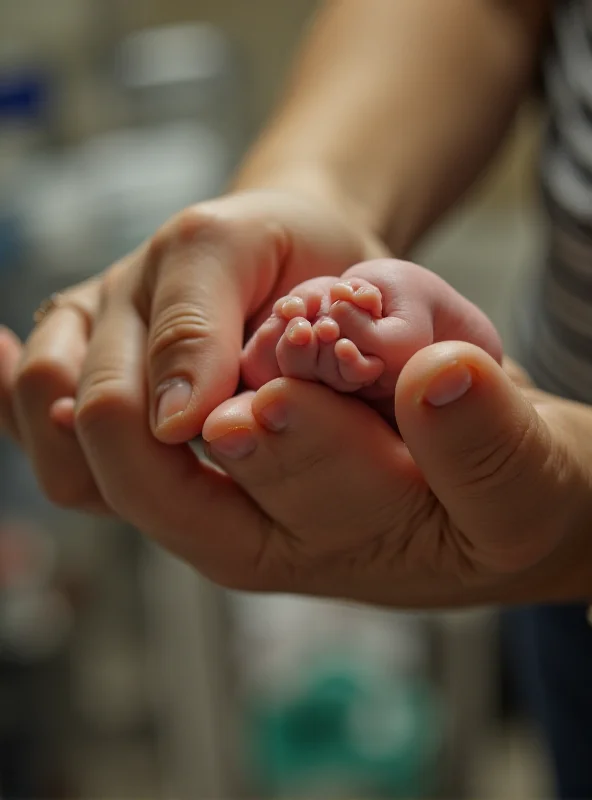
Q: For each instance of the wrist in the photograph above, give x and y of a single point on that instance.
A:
(311, 180)
(318, 184)
(389, 212)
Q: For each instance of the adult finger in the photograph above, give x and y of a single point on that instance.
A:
(201, 276)
(163, 490)
(10, 354)
(48, 372)
(486, 453)
(330, 470)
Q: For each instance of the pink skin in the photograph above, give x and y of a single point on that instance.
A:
(356, 333)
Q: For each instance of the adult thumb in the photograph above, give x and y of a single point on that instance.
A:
(485, 452)
(195, 332)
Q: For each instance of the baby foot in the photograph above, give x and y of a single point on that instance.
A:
(356, 333)
(356, 306)
(327, 330)
(313, 347)
(306, 347)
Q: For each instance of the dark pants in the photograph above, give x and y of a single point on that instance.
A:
(551, 652)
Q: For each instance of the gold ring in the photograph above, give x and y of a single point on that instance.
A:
(47, 306)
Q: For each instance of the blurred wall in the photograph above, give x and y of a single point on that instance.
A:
(267, 33)
(76, 34)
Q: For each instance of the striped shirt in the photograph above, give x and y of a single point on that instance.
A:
(558, 349)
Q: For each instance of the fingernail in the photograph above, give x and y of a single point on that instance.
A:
(449, 386)
(174, 397)
(237, 444)
(273, 417)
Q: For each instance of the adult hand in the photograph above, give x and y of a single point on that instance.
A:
(486, 498)
(158, 336)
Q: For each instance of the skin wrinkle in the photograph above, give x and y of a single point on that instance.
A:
(182, 321)
(494, 45)
(485, 470)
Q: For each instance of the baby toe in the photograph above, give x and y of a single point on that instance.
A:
(290, 307)
(305, 300)
(355, 368)
(360, 293)
(297, 350)
(342, 291)
(356, 324)
(369, 299)
(327, 330)
(299, 332)
(258, 360)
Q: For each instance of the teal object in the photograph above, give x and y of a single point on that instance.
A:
(347, 732)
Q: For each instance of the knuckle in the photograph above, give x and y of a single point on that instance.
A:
(197, 222)
(38, 374)
(102, 401)
(219, 223)
(179, 322)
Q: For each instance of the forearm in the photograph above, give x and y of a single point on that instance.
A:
(397, 105)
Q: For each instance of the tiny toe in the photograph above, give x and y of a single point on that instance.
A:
(346, 351)
(359, 292)
(258, 360)
(297, 351)
(358, 324)
(279, 304)
(299, 332)
(355, 367)
(342, 291)
(314, 300)
(369, 299)
(327, 330)
(290, 307)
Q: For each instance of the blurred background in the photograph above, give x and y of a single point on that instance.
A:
(122, 674)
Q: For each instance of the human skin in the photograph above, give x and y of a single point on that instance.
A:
(356, 333)
(482, 498)
(334, 179)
